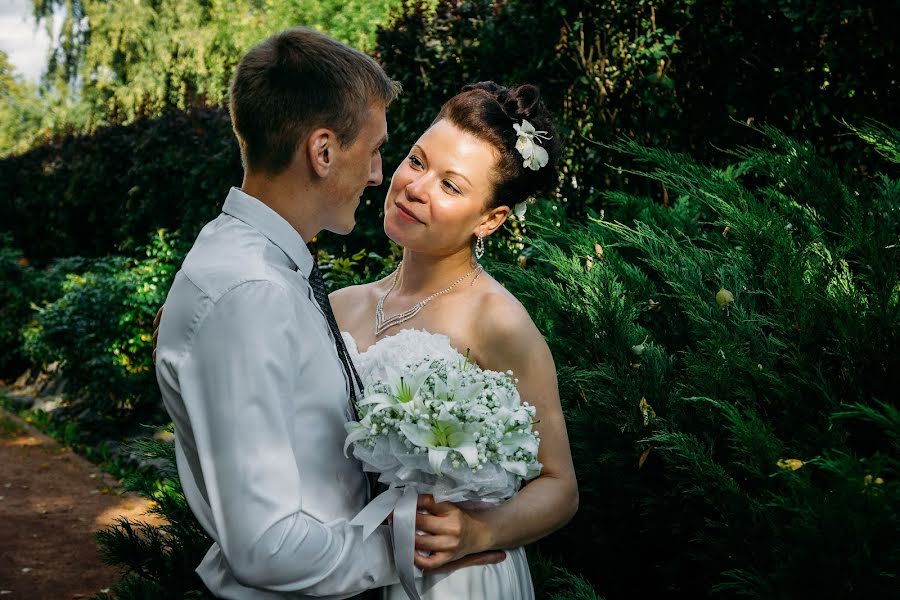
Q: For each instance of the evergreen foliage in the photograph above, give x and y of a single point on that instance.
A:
(725, 324)
(160, 560)
(15, 309)
(673, 74)
(727, 367)
(647, 70)
(728, 370)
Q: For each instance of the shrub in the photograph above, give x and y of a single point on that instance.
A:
(24, 287)
(109, 192)
(725, 365)
(159, 561)
(356, 269)
(668, 74)
(15, 276)
(100, 332)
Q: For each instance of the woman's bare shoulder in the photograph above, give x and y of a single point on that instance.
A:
(346, 301)
(503, 322)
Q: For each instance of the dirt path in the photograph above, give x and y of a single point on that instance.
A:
(51, 502)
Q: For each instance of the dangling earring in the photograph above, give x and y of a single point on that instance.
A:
(479, 246)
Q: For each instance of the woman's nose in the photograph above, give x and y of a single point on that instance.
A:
(417, 189)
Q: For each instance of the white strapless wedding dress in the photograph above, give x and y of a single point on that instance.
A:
(508, 580)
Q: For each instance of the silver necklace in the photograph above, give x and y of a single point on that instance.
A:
(382, 324)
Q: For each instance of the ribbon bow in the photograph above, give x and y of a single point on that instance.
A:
(402, 501)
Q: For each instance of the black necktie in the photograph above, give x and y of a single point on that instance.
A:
(317, 283)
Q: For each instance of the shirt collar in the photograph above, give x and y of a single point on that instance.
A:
(259, 216)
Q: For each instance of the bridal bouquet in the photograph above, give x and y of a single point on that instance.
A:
(442, 427)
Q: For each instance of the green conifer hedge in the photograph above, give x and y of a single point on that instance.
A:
(727, 365)
(728, 371)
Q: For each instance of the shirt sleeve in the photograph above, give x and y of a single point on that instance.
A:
(236, 382)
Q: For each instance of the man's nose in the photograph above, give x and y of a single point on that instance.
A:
(375, 175)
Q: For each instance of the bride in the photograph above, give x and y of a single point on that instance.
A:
(488, 149)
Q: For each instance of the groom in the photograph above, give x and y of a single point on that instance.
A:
(250, 363)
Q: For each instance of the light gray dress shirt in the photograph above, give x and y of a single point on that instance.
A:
(250, 376)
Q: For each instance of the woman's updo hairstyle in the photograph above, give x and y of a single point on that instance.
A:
(488, 111)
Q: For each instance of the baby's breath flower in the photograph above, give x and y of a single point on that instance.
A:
(457, 414)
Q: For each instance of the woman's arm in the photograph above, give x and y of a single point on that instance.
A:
(510, 340)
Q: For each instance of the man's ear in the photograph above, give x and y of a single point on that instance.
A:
(320, 146)
(493, 220)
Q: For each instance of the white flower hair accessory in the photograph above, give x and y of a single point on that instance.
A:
(519, 210)
(529, 145)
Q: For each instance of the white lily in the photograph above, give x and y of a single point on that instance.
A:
(536, 159)
(356, 431)
(377, 402)
(445, 433)
(503, 415)
(445, 392)
(525, 130)
(404, 391)
(456, 390)
(507, 398)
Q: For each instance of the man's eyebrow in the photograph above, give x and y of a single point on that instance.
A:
(383, 141)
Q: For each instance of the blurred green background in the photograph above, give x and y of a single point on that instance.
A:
(717, 275)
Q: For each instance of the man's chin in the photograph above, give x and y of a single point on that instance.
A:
(342, 228)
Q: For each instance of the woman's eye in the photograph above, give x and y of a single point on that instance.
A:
(451, 188)
(414, 160)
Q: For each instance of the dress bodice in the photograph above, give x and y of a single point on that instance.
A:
(398, 350)
(509, 579)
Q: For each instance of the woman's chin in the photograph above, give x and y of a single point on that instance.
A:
(397, 232)
(392, 236)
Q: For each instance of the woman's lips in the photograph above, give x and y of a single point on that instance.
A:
(408, 214)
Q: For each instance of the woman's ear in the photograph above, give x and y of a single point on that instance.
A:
(492, 220)
(320, 151)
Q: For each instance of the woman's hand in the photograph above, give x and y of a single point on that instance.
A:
(510, 341)
(454, 537)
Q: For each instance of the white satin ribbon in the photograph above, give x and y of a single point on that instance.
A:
(402, 501)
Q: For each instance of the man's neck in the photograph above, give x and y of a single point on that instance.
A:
(290, 196)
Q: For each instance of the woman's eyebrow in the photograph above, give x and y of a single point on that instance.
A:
(449, 172)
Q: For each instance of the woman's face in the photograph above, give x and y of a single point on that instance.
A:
(439, 194)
